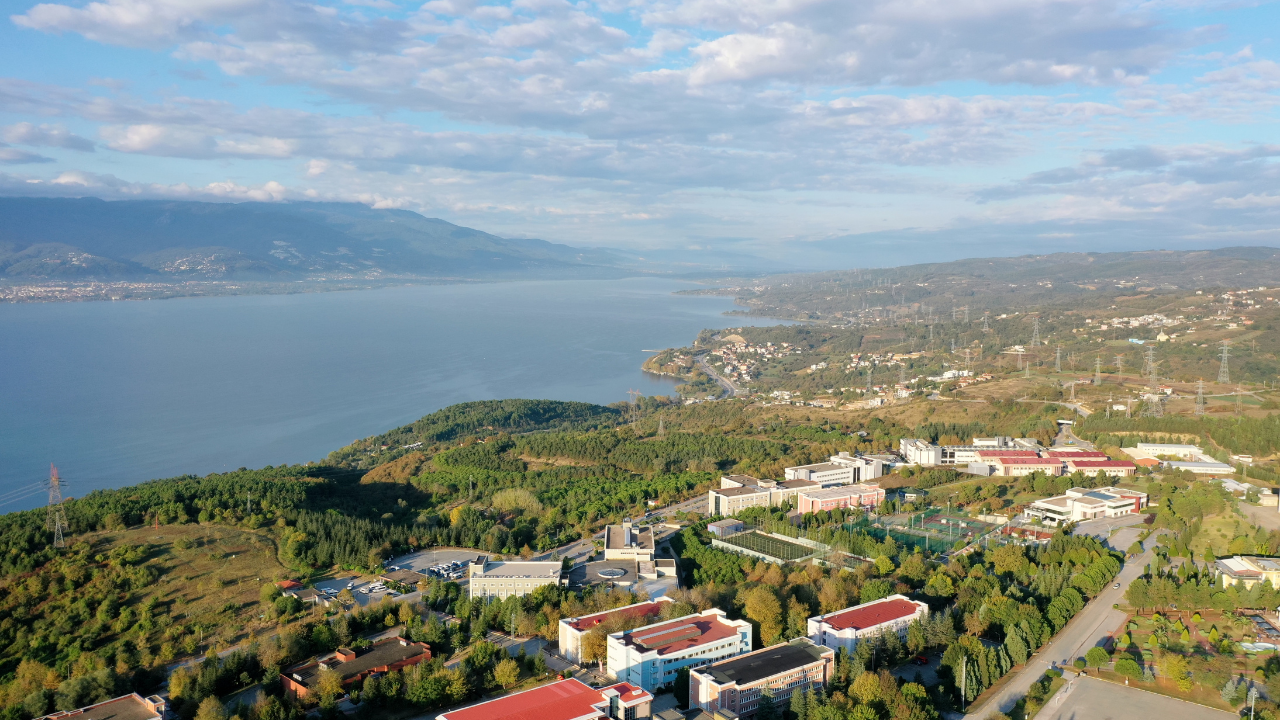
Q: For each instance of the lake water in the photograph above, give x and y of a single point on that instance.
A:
(118, 393)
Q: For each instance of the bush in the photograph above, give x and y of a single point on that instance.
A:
(1079, 663)
(1097, 657)
(1129, 668)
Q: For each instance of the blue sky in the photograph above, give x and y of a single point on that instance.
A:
(887, 130)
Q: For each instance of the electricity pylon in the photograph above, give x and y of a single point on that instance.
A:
(1035, 332)
(986, 325)
(1200, 397)
(1097, 371)
(1149, 369)
(1120, 365)
(1057, 360)
(1224, 375)
(57, 518)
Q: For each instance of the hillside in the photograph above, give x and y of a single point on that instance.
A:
(72, 239)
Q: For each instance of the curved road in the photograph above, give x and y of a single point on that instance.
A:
(729, 389)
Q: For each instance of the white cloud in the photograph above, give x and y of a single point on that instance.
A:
(26, 133)
(130, 22)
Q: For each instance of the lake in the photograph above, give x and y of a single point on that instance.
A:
(119, 393)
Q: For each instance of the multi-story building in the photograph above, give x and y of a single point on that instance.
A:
(383, 656)
(860, 495)
(126, 707)
(737, 683)
(628, 542)
(723, 528)
(1247, 569)
(841, 469)
(1017, 466)
(733, 500)
(1085, 504)
(1076, 454)
(649, 657)
(845, 628)
(505, 579)
(779, 492)
(919, 452)
(569, 699)
(1091, 466)
(572, 629)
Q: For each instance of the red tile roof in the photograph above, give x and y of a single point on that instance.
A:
(676, 635)
(871, 614)
(586, 622)
(993, 454)
(564, 700)
(1028, 461)
(1082, 454)
(1099, 464)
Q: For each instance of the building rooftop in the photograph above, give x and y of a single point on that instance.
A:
(383, 653)
(867, 615)
(841, 491)
(1058, 501)
(1098, 464)
(798, 484)
(731, 522)
(738, 491)
(617, 537)
(680, 634)
(993, 454)
(1034, 460)
(586, 622)
(126, 707)
(520, 570)
(819, 467)
(569, 699)
(1081, 454)
(744, 480)
(749, 668)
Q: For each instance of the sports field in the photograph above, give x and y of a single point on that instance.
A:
(957, 526)
(771, 546)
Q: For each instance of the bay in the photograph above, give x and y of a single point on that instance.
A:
(119, 393)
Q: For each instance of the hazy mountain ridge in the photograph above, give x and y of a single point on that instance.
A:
(55, 238)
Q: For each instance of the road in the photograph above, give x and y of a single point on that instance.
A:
(729, 389)
(1087, 629)
(1101, 700)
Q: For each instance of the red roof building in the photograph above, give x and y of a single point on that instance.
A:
(1077, 454)
(843, 629)
(997, 454)
(564, 700)
(1015, 466)
(572, 629)
(1112, 468)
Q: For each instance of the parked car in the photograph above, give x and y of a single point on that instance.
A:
(919, 660)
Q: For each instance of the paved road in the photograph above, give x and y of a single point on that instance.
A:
(1087, 629)
(729, 389)
(1092, 699)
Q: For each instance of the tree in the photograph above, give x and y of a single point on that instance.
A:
(1174, 666)
(346, 597)
(866, 687)
(1129, 668)
(1138, 594)
(211, 709)
(594, 645)
(681, 690)
(1135, 549)
(1097, 657)
(767, 709)
(328, 685)
(762, 607)
(940, 586)
(507, 673)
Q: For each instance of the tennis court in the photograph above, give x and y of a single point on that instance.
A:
(957, 526)
(769, 545)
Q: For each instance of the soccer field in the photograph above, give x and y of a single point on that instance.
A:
(771, 546)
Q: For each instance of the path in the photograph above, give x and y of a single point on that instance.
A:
(1093, 623)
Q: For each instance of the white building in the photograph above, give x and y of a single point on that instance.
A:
(649, 657)
(1203, 468)
(504, 579)
(733, 500)
(572, 629)
(919, 452)
(842, 469)
(1084, 504)
(628, 542)
(845, 628)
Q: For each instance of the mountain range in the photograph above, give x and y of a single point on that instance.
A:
(82, 238)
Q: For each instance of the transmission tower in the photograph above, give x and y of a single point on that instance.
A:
(966, 313)
(1200, 397)
(1149, 368)
(902, 374)
(1097, 371)
(967, 359)
(1120, 365)
(953, 344)
(1035, 332)
(635, 404)
(57, 521)
(953, 313)
(1224, 375)
(1057, 360)
(986, 325)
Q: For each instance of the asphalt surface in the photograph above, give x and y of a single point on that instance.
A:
(1091, 699)
(729, 389)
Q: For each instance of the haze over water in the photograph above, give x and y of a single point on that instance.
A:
(120, 393)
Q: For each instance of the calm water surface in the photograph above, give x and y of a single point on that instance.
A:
(118, 393)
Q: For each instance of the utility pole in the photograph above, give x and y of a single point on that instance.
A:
(964, 686)
(1097, 371)
(662, 430)
(1224, 375)
(1149, 369)
(57, 518)
(1200, 397)
(966, 313)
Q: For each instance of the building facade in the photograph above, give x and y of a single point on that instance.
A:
(731, 501)
(1247, 569)
(1085, 504)
(841, 469)
(301, 681)
(859, 495)
(628, 542)
(736, 684)
(504, 579)
(846, 628)
(1018, 466)
(572, 629)
(649, 657)
(919, 452)
(1091, 467)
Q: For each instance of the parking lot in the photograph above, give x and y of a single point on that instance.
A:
(424, 560)
(367, 591)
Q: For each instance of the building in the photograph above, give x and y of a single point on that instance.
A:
(310, 596)
(843, 629)
(731, 501)
(779, 492)
(841, 469)
(919, 452)
(628, 542)
(1247, 569)
(649, 657)
(724, 528)
(572, 629)
(1017, 466)
(300, 681)
(569, 699)
(1110, 468)
(404, 577)
(736, 684)
(126, 707)
(504, 579)
(1076, 454)
(1202, 468)
(1084, 504)
(860, 495)
(1188, 452)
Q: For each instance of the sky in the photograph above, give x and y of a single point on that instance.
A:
(813, 132)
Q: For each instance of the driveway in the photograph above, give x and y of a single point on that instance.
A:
(1089, 628)
(1092, 699)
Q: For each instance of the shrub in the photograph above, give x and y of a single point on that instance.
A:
(1129, 668)
(1097, 657)
(1079, 663)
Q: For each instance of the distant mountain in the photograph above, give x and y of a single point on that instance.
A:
(84, 238)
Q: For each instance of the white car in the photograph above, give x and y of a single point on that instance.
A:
(351, 586)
